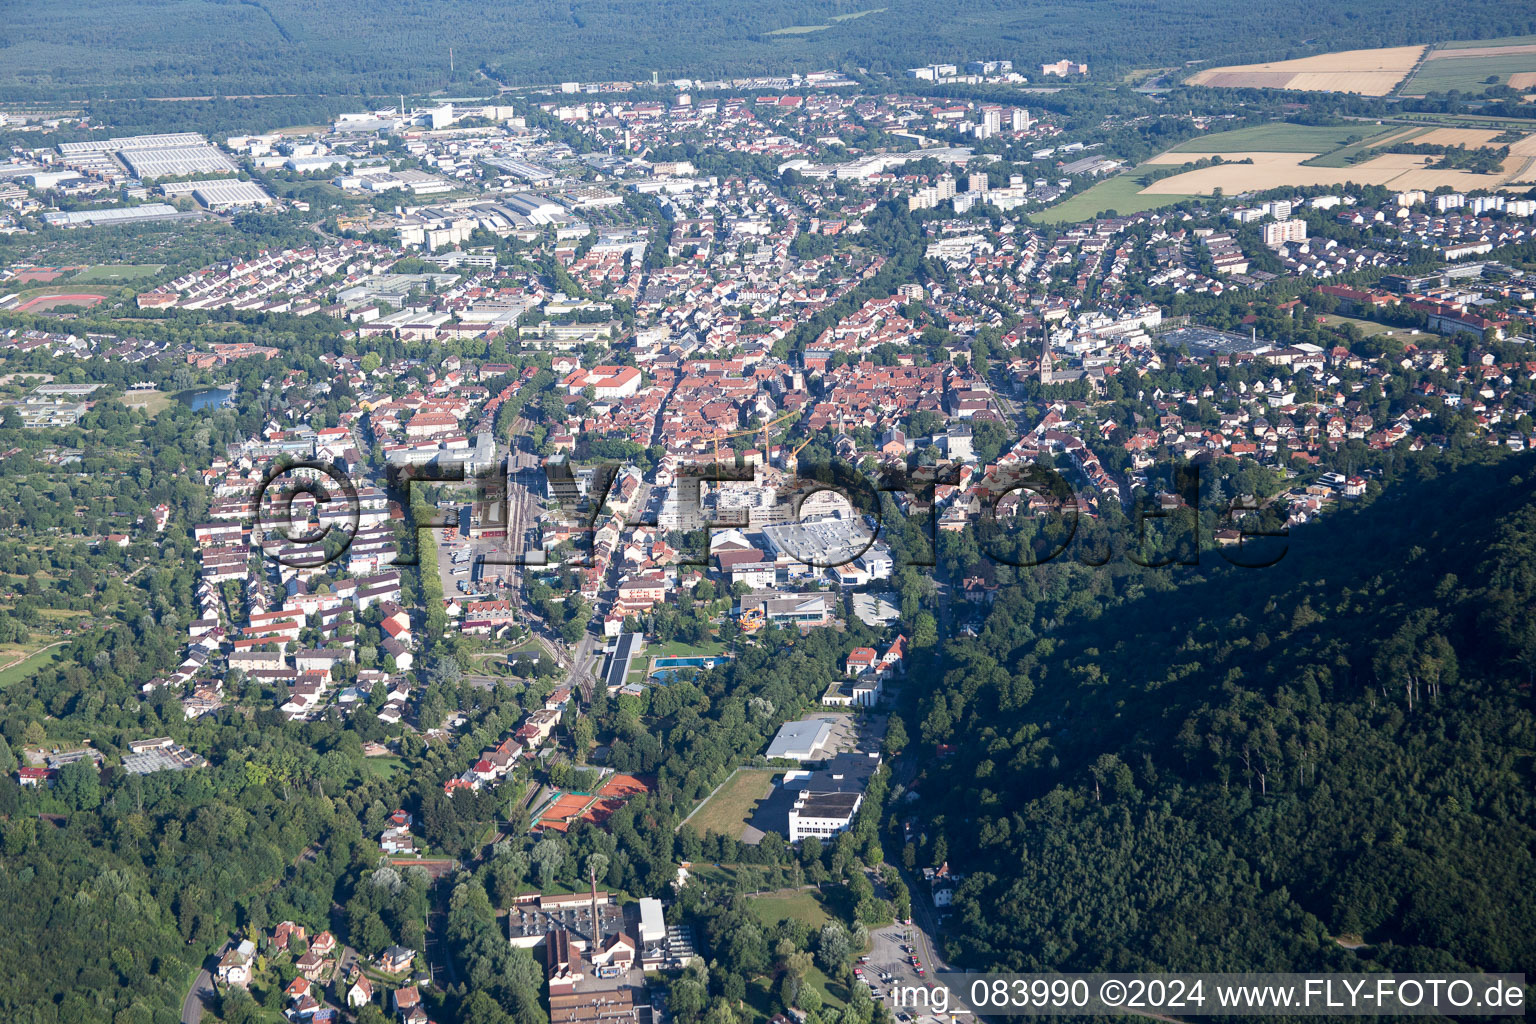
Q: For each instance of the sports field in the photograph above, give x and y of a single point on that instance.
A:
(597, 807)
(43, 303)
(110, 273)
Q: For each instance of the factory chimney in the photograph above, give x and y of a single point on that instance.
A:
(597, 922)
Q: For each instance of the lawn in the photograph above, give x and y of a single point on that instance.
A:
(801, 905)
(762, 1000)
(1122, 193)
(832, 993)
(1281, 137)
(678, 649)
(385, 768)
(1367, 327)
(110, 273)
(729, 808)
(21, 670)
(151, 401)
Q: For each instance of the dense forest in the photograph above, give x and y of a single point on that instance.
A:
(1233, 771)
(77, 50)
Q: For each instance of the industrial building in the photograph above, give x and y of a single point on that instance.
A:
(174, 162)
(219, 193)
(113, 215)
(801, 741)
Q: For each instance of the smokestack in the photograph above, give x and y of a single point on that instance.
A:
(597, 922)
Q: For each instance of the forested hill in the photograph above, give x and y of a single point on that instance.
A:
(1231, 774)
(79, 49)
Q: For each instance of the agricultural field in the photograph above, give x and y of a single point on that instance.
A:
(1283, 155)
(1277, 137)
(1367, 72)
(1467, 66)
(1343, 156)
(728, 810)
(1286, 170)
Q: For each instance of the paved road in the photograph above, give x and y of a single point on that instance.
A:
(201, 994)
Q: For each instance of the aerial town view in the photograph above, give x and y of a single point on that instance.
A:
(700, 513)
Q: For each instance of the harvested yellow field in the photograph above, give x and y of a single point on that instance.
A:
(1281, 170)
(1522, 80)
(1472, 138)
(1367, 72)
(1365, 83)
(1525, 147)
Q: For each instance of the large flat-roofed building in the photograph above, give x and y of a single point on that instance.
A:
(169, 140)
(112, 215)
(167, 162)
(604, 1006)
(219, 193)
(802, 609)
(820, 801)
(801, 741)
(520, 169)
(824, 543)
(822, 814)
(653, 921)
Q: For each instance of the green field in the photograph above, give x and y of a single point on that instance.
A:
(1367, 327)
(678, 649)
(1340, 157)
(1281, 137)
(729, 808)
(1468, 74)
(1122, 193)
(385, 768)
(762, 1000)
(1467, 44)
(152, 402)
(110, 273)
(802, 905)
(16, 673)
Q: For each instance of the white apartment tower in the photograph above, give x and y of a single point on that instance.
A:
(1279, 232)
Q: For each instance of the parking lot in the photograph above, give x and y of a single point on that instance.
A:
(889, 962)
(850, 732)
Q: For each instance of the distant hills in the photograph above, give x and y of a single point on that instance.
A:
(76, 49)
